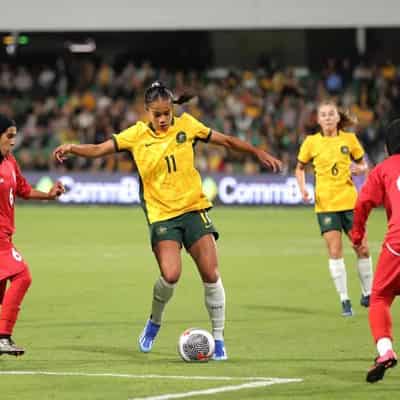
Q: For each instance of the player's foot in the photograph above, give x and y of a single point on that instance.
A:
(364, 301)
(220, 351)
(7, 346)
(146, 339)
(377, 371)
(347, 311)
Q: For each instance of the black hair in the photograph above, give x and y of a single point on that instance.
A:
(392, 137)
(5, 123)
(158, 91)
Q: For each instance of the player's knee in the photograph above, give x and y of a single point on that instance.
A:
(363, 252)
(210, 276)
(171, 277)
(335, 252)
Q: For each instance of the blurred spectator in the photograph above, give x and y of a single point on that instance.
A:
(80, 100)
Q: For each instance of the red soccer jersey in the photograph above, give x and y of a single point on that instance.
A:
(12, 184)
(382, 187)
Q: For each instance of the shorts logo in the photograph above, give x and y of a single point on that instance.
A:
(181, 137)
(327, 220)
(16, 255)
(162, 230)
(345, 150)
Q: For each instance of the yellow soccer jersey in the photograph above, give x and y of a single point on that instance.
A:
(331, 158)
(170, 184)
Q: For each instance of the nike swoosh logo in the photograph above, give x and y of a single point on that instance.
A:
(149, 144)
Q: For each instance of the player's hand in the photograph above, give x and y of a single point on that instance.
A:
(61, 152)
(269, 161)
(356, 238)
(357, 169)
(306, 196)
(57, 190)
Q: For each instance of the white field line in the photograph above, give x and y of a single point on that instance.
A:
(153, 376)
(254, 381)
(250, 385)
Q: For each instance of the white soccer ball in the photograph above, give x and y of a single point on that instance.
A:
(196, 345)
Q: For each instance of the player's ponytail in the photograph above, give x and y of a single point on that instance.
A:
(158, 91)
(184, 98)
(346, 119)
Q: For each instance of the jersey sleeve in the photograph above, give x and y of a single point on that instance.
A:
(23, 189)
(304, 155)
(370, 196)
(201, 131)
(357, 151)
(126, 139)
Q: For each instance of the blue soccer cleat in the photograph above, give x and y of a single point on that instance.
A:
(220, 351)
(347, 310)
(146, 339)
(364, 301)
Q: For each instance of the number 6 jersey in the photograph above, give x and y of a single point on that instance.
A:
(331, 157)
(170, 185)
(12, 185)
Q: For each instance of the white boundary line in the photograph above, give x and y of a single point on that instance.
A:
(250, 385)
(254, 382)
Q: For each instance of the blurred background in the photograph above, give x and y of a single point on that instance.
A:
(77, 72)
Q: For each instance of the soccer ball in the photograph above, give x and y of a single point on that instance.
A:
(196, 344)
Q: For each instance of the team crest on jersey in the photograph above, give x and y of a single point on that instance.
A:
(181, 137)
(345, 150)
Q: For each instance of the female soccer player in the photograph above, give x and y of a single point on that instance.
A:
(332, 152)
(173, 200)
(383, 188)
(13, 268)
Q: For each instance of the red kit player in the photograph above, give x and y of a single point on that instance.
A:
(382, 187)
(13, 269)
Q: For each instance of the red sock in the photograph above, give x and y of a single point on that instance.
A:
(12, 300)
(380, 318)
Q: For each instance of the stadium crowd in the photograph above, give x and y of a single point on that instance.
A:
(273, 108)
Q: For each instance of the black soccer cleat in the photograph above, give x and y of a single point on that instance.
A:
(377, 371)
(7, 346)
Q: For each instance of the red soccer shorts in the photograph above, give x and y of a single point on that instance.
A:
(387, 275)
(11, 261)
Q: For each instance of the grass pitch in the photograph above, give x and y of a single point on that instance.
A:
(93, 273)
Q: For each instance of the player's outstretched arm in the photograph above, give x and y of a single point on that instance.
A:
(234, 143)
(56, 191)
(84, 150)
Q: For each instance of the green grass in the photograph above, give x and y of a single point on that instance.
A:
(93, 274)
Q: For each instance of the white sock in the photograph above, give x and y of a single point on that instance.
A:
(383, 345)
(214, 295)
(339, 276)
(364, 266)
(162, 293)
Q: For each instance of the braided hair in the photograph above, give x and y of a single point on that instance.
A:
(158, 91)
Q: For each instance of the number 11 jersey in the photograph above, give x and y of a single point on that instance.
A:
(170, 185)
